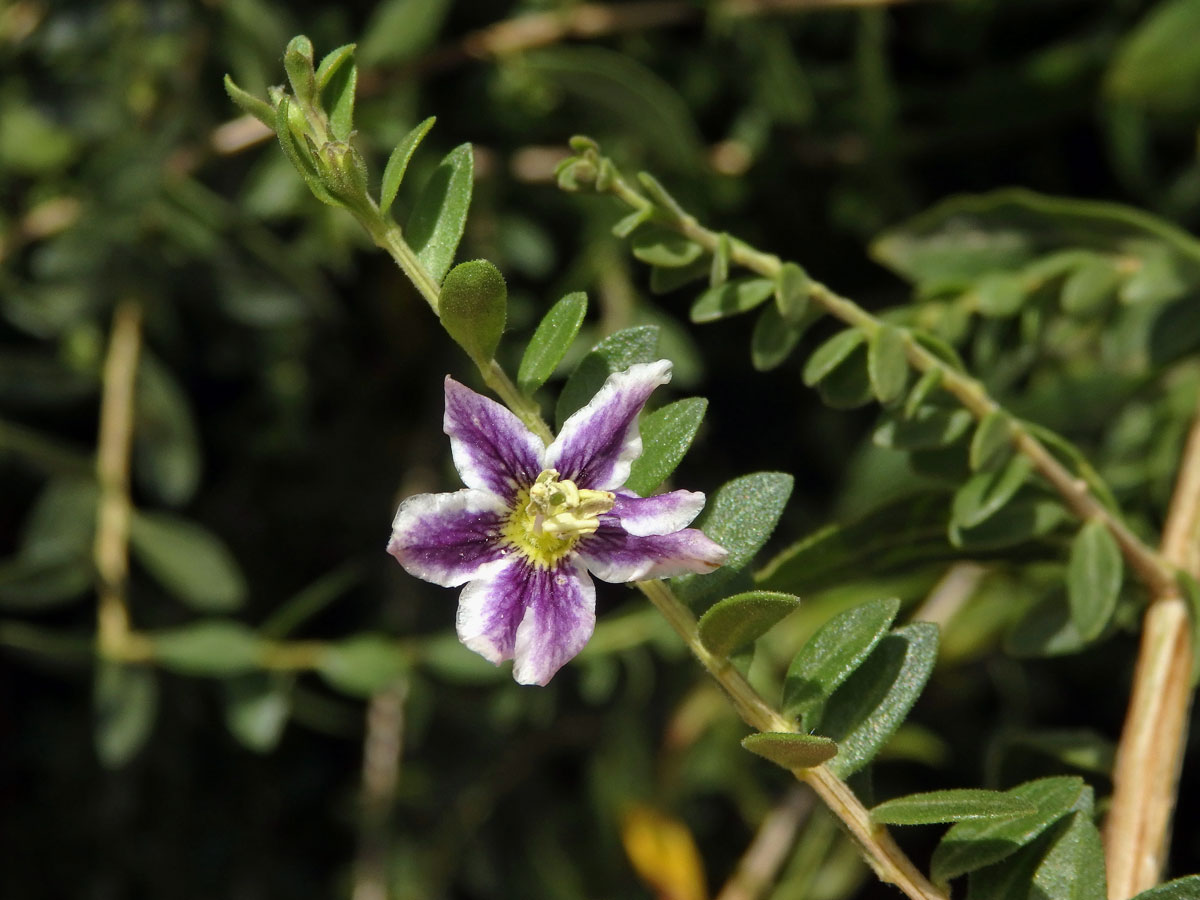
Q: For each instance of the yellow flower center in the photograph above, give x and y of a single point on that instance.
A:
(550, 517)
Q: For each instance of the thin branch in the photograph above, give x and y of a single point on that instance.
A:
(875, 842)
(759, 866)
(114, 510)
(1151, 747)
(1155, 572)
(382, 748)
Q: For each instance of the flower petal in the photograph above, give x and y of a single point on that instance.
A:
(540, 616)
(614, 555)
(598, 442)
(447, 538)
(492, 449)
(660, 514)
(559, 619)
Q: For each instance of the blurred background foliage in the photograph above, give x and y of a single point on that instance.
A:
(290, 393)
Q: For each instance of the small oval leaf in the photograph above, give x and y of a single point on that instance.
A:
(868, 708)
(1000, 294)
(397, 164)
(659, 247)
(730, 299)
(887, 363)
(667, 433)
(792, 751)
(972, 845)
(736, 621)
(831, 354)
(986, 493)
(214, 647)
(188, 560)
(440, 212)
(551, 341)
(832, 654)
(473, 308)
(363, 665)
(958, 805)
(992, 440)
(1094, 575)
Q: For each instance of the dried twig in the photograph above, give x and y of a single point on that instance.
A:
(1150, 751)
(114, 510)
(382, 748)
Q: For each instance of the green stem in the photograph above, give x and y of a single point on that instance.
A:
(880, 850)
(1154, 571)
(388, 236)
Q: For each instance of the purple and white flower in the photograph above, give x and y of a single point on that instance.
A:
(534, 520)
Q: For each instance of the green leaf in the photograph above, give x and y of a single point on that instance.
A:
(740, 517)
(27, 585)
(987, 492)
(1074, 867)
(332, 62)
(959, 805)
(792, 289)
(397, 164)
(188, 560)
(792, 751)
(952, 245)
(1186, 888)
(1000, 294)
(832, 654)
(62, 523)
(992, 441)
(340, 85)
(1094, 575)
(1045, 629)
(901, 536)
(298, 62)
(1156, 68)
(775, 336)
(927, 427)
(363, 665)
(870, 705)
(125, 702)
(250, 104)
(627, 225)
(663, 248)
(551, 341)
(217, 648)
(166, 444)
(831, 354)
(969, 846)
(440, 212)
(736, 621)
(664, 279)
(257, 706)
(848, 386)
(398, 30)
(718, 272)
(473, 308)
(918, 396)
(1023, 519)
(887, 363)
(615, 353)
(667, 433)
(731, 298)
(1091, 287)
